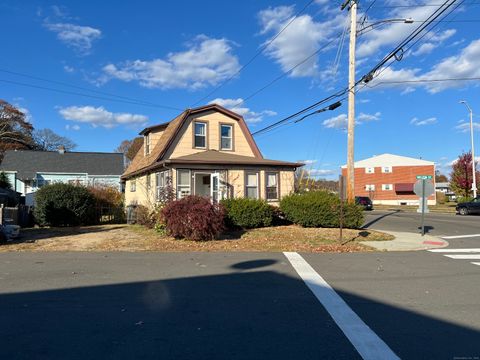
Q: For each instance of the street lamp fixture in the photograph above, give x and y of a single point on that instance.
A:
(474, 182)
(381, 22)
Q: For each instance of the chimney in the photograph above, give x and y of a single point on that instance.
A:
(61, 149)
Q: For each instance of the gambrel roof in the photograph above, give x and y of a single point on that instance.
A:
(143, 163)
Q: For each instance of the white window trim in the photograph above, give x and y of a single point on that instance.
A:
(162, 175)
(276, 185)
(384, 187)
(248, 186)
(195, 134)
(370, 187)
(390, 169)
(146, 140)
(226, 137)
(133, 185)
(179, 186)
(369, 172)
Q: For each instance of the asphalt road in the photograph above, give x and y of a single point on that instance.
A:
(232, 306)
(436, 224)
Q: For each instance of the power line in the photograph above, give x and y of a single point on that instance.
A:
(393, 54)
(260, 51)
(423, 81)
(81, 94)
(129, 99)
(417, 5)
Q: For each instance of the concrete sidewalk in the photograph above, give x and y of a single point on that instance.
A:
(405, 241)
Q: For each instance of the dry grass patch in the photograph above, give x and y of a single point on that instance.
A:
(138, 238)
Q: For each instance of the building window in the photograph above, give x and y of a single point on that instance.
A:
(369, 170)
(183, 183)
(200, 135)
(272, 186)
(251, 185)
(387, 187)
(133, 185)
(161, 183)
(149, 182)
(226, 137)
(146, 140)
(370, 187)
(386, 169)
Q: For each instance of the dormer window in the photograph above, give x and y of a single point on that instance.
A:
(146, 140)
(226, 141)
(200, 135)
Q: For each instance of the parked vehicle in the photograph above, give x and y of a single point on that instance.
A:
(364, 201)
(469, 207)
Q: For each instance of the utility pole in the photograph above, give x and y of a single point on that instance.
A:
(351, 101)
(474, 182)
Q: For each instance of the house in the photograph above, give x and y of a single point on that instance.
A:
(444, 187)
(389, 179)
(29, 170)
(206, 151)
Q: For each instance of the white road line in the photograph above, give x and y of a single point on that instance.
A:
(464, 257)
(365, 341)
(455, 250)
(460, 236)
(476, 263)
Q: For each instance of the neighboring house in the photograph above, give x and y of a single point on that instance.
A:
(206, 151)
(444, 187)
(389, 179)
(29, 170)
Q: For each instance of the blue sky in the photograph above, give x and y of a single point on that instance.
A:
(154, 59)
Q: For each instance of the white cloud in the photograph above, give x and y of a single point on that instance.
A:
(362, 117)
(341, 121)
(68, 69)
(466, 64)
(249, 115)
(434, 42)
(320, 172)
(303, 37)
(74, 127)
(206, 62)
(464, 126)
(388, 35)
(98, 116)
(417, 122)
(78, 37)
(336, 122)
(308, 162)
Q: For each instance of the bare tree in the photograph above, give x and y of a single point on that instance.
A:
(130, 147)
(15, 130)
(47, 140)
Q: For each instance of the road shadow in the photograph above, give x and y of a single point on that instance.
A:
(428, 228)
(240, 315)
(370, 223)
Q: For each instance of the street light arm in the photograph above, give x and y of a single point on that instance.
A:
(381, 22)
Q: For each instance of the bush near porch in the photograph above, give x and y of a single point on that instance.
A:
(320, 209)
(247, 213)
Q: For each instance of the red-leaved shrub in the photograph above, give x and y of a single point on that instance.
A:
(194, 218)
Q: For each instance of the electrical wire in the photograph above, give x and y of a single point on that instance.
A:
(260, 51)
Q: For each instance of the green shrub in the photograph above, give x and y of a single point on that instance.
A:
(193, 218)
(320, 209)
(462, 199)
(64, 205)
(247, 213)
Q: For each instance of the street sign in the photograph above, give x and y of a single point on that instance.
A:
(424, 177)
(423, 188)
(421, 191)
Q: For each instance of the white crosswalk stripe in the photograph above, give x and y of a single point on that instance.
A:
(460, 254)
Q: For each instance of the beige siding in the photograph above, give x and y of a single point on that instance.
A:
(183, 144)
(287, 183)
(141, 196)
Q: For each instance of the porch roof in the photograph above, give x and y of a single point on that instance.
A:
(218, 157)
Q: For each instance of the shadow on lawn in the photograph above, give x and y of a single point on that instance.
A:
(239, 315)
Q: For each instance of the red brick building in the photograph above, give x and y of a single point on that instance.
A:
(389, 179)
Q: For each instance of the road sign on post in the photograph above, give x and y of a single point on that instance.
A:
(423, 188)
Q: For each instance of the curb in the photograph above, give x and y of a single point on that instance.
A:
(404, 241)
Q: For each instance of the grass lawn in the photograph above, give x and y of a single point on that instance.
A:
(139, 238)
